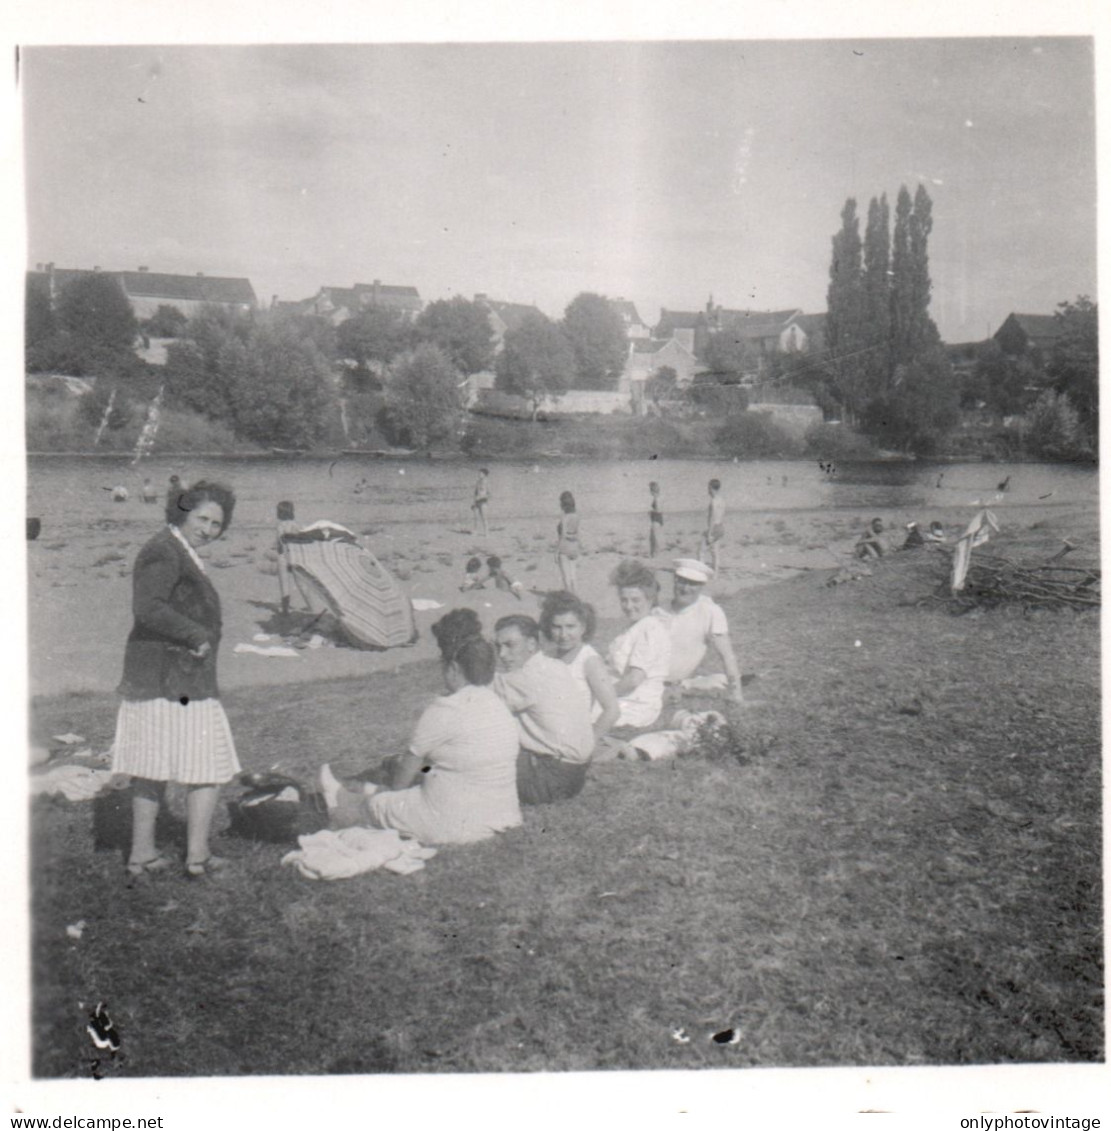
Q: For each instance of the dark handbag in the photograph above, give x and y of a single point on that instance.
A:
(275, 809)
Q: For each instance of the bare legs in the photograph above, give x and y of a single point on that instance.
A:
(200, 805)
(567, 572)
(146, 799)
(709, 546)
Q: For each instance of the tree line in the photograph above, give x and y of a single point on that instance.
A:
(279, 378)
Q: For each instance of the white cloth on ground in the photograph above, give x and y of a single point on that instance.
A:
(281, 650)
(329, 855)
(74, 783)
(669, 743)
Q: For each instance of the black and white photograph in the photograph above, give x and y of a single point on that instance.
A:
(559, 558)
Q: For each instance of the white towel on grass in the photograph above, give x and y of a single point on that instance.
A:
(329, 855)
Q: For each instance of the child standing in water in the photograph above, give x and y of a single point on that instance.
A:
(655, 520)
(567, 548)
(481, 498)
(715, 525)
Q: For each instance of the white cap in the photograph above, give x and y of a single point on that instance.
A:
(691, 569)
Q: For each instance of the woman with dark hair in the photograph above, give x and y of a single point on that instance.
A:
(569, 624)
(465, 743)
(641, 656)
(171, 726)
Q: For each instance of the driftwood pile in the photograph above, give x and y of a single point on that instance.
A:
(995, 580)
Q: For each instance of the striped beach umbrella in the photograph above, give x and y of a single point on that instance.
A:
(360, 592)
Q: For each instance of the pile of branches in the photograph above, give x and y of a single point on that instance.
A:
(993, 580)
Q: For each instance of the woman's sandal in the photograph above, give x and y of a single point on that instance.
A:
(209, 867)
(149, 867)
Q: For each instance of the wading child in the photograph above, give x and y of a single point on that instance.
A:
(715, 525)
(481, 498)
(655, 520)
(567, 548)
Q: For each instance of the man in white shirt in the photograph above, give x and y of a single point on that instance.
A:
(553, 722)
(698, 623)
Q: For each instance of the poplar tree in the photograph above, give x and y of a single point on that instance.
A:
(845, 307)
(877, 294)
(901, 300)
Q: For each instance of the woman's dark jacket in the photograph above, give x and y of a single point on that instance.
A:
(176, 609)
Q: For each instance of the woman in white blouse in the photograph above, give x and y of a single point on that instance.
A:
(641, 656)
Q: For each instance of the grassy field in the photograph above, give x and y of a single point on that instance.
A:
(900, 866)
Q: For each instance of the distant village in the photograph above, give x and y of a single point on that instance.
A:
(677, 341)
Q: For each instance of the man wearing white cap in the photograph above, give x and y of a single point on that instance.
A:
(696, 623)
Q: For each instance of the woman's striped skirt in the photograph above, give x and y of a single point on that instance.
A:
(163, 740)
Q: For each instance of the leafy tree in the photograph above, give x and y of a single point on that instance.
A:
(536, 361)
(728, 355)
(374, 336)
(998, 381)
(901, 304)
(663, 385)
(877, 298)
(845, 330)
(39, 324)
(1073, 366)
(461, 329)
(918, 410)
(423, 397)
(200, 365)
(263, 378)
(280, 388)
(166, 322)
(1053, 427)
(95, 313)
(597, 337)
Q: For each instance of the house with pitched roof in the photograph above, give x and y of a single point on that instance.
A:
(147, 290)
(648, 356)
(630, 319)
(337, 304)
(504, 316)
(1033, 334)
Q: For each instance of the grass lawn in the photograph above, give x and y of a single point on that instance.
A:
(904, 867)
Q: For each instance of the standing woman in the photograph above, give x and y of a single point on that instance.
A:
(171, 726)
(567, 548)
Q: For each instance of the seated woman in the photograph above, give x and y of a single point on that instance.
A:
(569, 624)
(465, 741)
(641, 656)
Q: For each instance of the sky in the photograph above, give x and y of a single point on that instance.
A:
(659, 172)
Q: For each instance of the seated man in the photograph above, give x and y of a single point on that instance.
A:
(872, 543)
(697, 623)
(553, 722)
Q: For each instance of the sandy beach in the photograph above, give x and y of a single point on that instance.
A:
(79, 588)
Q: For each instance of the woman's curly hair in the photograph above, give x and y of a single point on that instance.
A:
(557, 603)
(631, 573)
